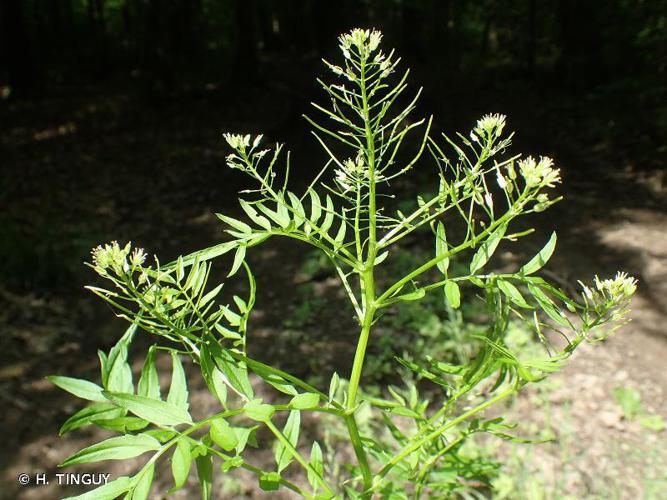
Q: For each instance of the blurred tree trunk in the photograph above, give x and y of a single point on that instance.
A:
(21, 69)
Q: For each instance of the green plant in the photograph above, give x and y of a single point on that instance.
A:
(630, 402)
(404, 444)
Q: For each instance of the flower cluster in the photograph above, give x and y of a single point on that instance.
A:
(237, 141)
(364, 41)
(619, 288)
(113, 256)
(538, 173)
(610, 296)
(240, 144)
(351, 173)
(489, 126)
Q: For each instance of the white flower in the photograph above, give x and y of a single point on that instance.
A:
(502, 182)
(374, 40)
(620, 287)
(491, 125)
(365, 41)
(488, 198)
(587, 292)
(343, 179)
(138, 257)
(237, 141)
(540, 173)
(385, 66)
(111, 255)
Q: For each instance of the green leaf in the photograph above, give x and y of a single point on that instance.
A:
(157, 412)
(548, 306)
(260, 220)
(652, 422)
(283, 214)
(235, 372)
(205, 473)
(149, 385)
(245, 436)
(340, 235)
(299, 212)
(453, 294)
(122, 423)
(89, 415)
(162, 435)
(513, 294)
(120, 375)
(541, 258)
(274, 379)
(104, 369)
(236, 224)
(317, 464)
(80, 388)
(487, 249)
(629, 400)
(214, 378)
(305, 401)
(209, 296)
(441, 247)
(107, 491)
(117, 375)
(239, 255)
(409, 297)
(180, 269)
(223, 435)
(256, 410)
(269, 481)
(116, 448)
(178, 390)
(181, 461)
(274, 216)
(315, 206)
(231, 463)
(282, 454)
(143, 487)
(333, 386)
(381, 258)
(328, 216)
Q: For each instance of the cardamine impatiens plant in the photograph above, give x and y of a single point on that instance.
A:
(417, 450)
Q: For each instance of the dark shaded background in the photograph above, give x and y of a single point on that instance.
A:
(136, 93)
(111, 114)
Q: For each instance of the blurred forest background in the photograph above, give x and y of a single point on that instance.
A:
(111, 114)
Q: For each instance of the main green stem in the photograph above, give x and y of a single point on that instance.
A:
(367, 278)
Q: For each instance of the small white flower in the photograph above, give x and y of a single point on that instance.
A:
(587, 292)
(237, 141)
(540, 173)
(365, 41)
(491, 125)
(488, 198)
(502, 182)
(385, 67)
(621, 286)
(112, 256)
(138, 257)
(374, 40)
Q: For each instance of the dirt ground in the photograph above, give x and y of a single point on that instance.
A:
(80, 171)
